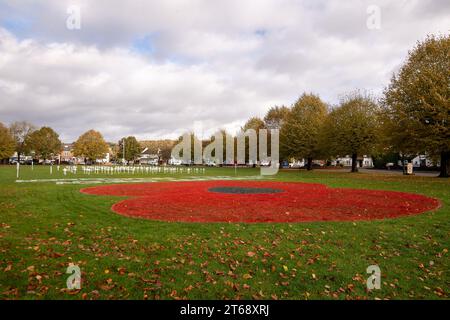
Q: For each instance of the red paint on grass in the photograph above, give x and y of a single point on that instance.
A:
(299, 202)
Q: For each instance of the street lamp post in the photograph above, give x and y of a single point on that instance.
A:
(123, 149)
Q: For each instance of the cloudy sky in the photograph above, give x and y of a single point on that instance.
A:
(155, 69)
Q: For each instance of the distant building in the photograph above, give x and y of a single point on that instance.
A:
(362, 162)
(107, 158)
(66, 155)
(421, 161)
(148, 158)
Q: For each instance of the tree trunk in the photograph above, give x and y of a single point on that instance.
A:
(445, 165)
(18, 157)
(354, 162)
(309, 164)
(403, 165)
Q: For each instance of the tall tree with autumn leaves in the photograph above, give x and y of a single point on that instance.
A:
(254, 123)
(44, 142)
(7, 143)
(300, 132)
(90, 145)
(275, 117)
(352, 128)
(417, 102)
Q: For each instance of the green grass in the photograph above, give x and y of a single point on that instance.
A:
(45, 226)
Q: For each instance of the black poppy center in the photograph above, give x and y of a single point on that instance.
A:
(244, 190)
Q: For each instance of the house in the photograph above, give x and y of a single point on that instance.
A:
(421, 161)
(149, 158)
(108, 155)
(66, 155)
(106, 159)
(362, 162)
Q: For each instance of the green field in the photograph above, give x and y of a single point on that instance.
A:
(44, 226)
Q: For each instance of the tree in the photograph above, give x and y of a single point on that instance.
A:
(275, 117)
(352, 128)
(299, 135)
(90, 145)
(7, 143)
(44, 142)
(132, 148)
(256, 124)
(20, 131)
(417, 102)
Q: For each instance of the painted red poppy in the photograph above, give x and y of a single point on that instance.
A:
(259, 201)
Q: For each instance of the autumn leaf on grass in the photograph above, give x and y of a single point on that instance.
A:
(108, 286)
(189, 288)
(247, 276)
(251, 254)
(71, 292)
(174, 295)
(439, 292)
(57, 255)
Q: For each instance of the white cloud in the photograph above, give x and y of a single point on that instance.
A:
(217, 63)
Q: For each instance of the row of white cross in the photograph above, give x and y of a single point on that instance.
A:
(132, 170)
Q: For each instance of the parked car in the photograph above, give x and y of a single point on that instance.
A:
(48, 162)
(389, 165)
(210, 163)
(175, 162)
(13, 160)
(297, 164)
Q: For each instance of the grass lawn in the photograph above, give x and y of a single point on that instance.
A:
(45, 226)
